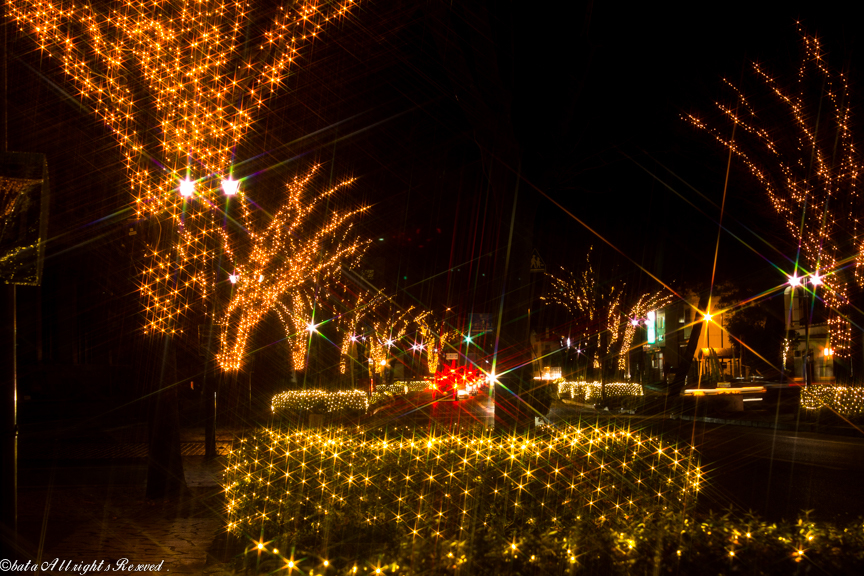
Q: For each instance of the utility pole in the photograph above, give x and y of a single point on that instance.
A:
(24, 227)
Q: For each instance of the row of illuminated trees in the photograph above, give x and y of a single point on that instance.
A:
(793, 135)
(607, 321)
(181, 86)
(220, 251)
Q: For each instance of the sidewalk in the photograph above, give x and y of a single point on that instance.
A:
(72, 517)
(81, 498)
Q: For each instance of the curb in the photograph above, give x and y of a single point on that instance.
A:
(800, 427)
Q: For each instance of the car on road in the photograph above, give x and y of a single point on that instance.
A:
(458, 381)
(444, 386)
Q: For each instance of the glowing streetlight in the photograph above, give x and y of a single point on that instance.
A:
(187, 188)
(814, 280)
(230, 187)
(233, 278)
(311, 328)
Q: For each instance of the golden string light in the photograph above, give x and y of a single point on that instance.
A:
(336, 401)
(386, 326)
(845, 400)
(323, 401)
(402, 387)
(637, 311)
(434, 485)
(592, 392)
(187, 69)
(436, 338)
(606, 318)
(387, 333)
(810, 175)
(364, 305)
(597, 305)
(294, 251)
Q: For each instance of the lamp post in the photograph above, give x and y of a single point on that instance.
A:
(637, 368)
(795, 282)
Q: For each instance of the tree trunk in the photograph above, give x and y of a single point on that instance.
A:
(604, 366)
(209, 394)
(165, 475)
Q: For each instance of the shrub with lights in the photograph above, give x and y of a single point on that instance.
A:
(847, 401)
(340, 402)
(403, 387)
(414, 497)
(620, 393)
(337, 403)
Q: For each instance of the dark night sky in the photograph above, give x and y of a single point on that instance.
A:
(375, 101)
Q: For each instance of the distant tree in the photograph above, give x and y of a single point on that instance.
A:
(796, 140)
(757, 327)
(603, 313)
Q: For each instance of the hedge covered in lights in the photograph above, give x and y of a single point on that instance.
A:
(657, 540)
(845, 400)
(340, 401)
(322, 401)
(403, 387)
(591, 392)
(344, 497)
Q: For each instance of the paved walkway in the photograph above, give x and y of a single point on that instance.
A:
(96, 511)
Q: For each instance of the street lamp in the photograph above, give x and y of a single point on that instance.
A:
(187, 188)
(794, 281)
(230, 186)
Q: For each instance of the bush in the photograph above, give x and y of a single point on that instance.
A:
(425, 501)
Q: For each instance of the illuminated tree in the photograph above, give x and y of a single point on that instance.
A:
(638, 310)
(364, 304)
(603, 313)
(595, 308)
(283, 263)
(436, 337)
(386, 332)
(178, 85)
(806, 162)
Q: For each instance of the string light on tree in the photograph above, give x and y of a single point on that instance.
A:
(186, 69)
(295, 250)
(434, 486)
(608, 322)
(809, 172)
